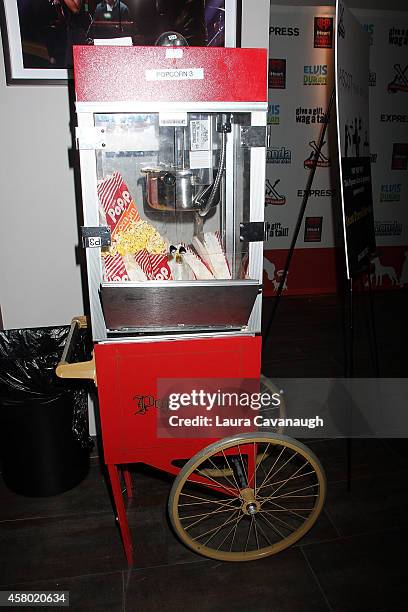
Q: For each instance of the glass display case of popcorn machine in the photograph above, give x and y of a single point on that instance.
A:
(172, 151)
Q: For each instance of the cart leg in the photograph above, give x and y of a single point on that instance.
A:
(128, 482)
(121, 512)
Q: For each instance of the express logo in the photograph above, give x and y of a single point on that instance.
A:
(315, 74)
(277, 74)
(388, 228)
(276, 230)
(272, 197)
(369, 28)
(399, 156)
(279, 155)
(313, 229)
(393, 118)
(316, 193)
(398, 37)
(273, 114)
(323, 32)
(286, 31)
(400, 81)
(322, 160)
(390, 192)
(309, 116)
(372, 78)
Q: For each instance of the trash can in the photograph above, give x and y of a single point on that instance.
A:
(44, 437)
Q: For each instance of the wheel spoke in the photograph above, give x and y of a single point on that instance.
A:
(287, 510)
(277, 518)
(272, 484)
(290, 477)
(243, 464)
(218, 529)
(256, 533)
(277, 471)
(206, 515)
(270, 524)
(217, 484)
(239, 519)
(249, 533)
(264, 534)
(297, 496)
(204, 501)
(254, 460)
(223, 475)
(302, 489)
(260, 463)
(276, 461)
(230, 531)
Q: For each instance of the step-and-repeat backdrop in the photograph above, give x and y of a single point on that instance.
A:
(301, 79)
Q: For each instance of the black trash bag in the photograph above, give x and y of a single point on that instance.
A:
(44, 433)
(28, 358)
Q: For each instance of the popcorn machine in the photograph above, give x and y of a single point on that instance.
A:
(172, 153)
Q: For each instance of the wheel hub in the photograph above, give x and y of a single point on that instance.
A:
(250, 505)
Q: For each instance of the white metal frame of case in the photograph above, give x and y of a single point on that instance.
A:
(87, 138)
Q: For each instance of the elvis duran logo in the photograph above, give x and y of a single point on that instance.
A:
(372, 78)
(309, 116)
(273, 114)
(398, 37)
(390, 192)
(369, 28)
(399, 156)
(315, 74)
(276, 230)
(388, 228)
(400, 80)
(277, 74)
(272, 196)
(313, 229)
(323, 32)
(322, 160)
(278, 155)
(286, 31)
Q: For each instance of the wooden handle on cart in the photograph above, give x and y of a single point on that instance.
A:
(80, 369)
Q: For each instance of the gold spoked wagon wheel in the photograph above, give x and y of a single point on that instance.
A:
(253, 507)
(276, 412)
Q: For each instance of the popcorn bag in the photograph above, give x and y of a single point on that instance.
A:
(117, 204)
(114, 269)
(160, 269)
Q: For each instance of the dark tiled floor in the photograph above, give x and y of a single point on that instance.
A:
(354, 558)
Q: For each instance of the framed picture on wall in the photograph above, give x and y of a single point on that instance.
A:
(38, 36)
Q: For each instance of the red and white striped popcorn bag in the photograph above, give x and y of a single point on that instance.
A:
(117, 204)
(159, 267)
(114, 269)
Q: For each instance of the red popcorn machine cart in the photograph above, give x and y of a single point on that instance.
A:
(172, 153)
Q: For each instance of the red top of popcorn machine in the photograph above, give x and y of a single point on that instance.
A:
(169, 74)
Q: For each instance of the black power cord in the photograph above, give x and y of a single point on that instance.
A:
(300, 216)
